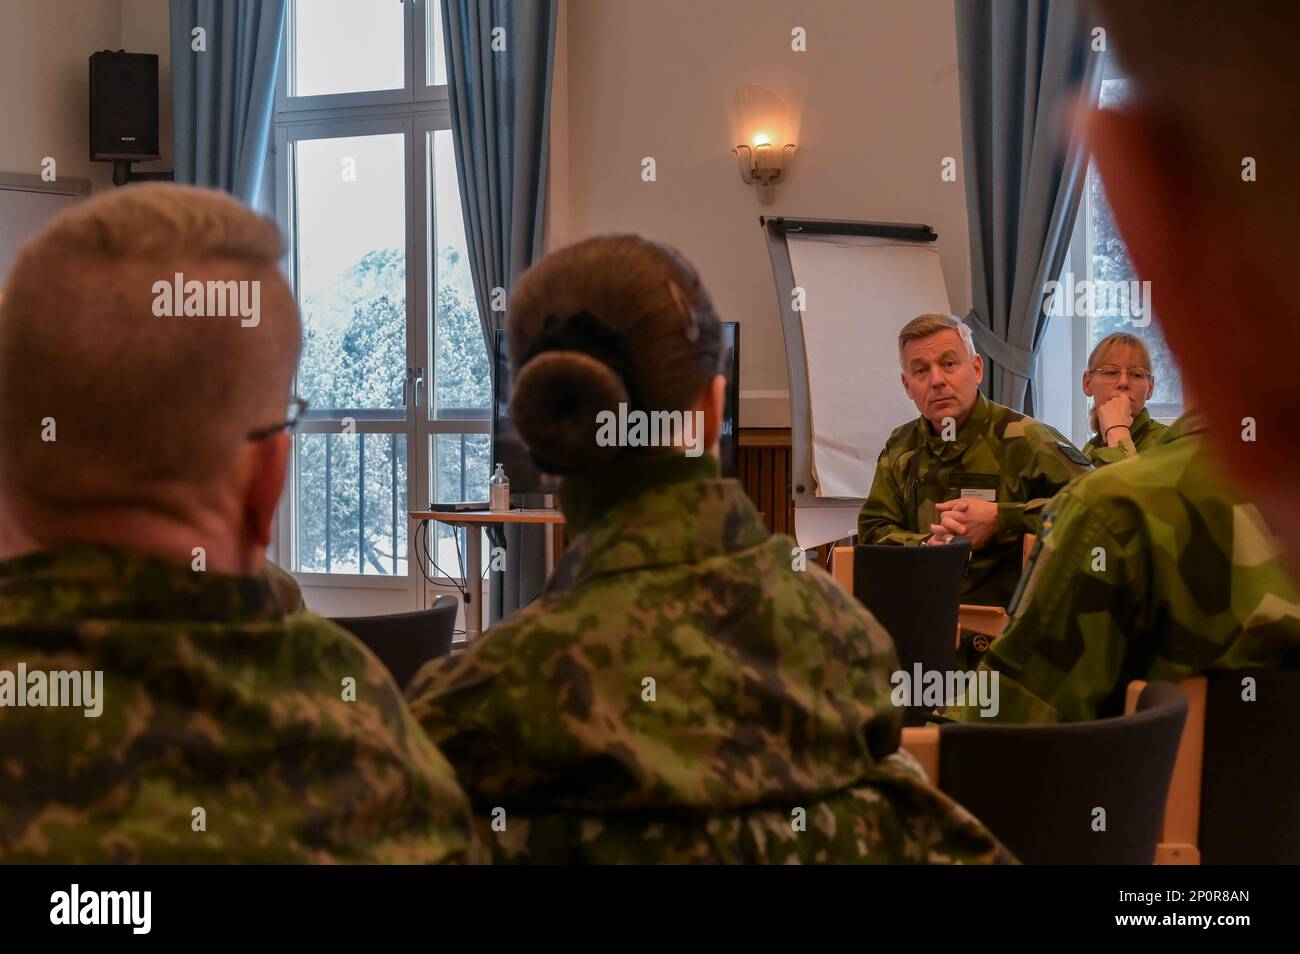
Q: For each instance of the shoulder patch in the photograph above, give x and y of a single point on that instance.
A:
(1072, 453)
(1015, 428)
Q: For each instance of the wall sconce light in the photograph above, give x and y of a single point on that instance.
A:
(761, 164)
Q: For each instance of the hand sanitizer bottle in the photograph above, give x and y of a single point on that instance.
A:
(499, 490)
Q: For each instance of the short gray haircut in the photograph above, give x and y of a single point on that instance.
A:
(923, 326)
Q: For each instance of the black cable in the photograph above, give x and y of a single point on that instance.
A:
(423, 543)
(460, 564)
(463, 563)
(422, 525)
(496, 535)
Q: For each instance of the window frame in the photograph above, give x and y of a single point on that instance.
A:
(284, 103)
(1079, 262)
(416, 111)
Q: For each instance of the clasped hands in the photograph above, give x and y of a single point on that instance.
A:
(974, 519)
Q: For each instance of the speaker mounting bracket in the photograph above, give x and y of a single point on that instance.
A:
(123, 174)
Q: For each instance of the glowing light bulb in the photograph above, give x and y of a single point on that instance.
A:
(762, 140)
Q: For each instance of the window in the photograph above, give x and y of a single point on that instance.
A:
(1097, 254)
(394, 362)
(324, 37)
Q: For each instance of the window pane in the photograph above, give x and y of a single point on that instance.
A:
(352, 503)
(461, 377)
(347, 46)
(460, 473)
(1109, 261)
(436, 52)
(351, 245)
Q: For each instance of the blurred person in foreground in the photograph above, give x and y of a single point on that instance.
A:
(159, 702)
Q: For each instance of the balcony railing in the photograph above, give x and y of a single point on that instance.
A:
(377, 450)
(368, 559)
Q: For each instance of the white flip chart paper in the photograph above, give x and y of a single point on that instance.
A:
(858, 293)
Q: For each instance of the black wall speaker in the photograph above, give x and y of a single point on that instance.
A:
(124, 106)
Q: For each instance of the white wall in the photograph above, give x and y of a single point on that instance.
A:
(876, 97)
(45, 48)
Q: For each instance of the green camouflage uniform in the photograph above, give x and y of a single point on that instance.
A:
(284, 587)
(999, 454)
(1144, 434)
(1192, 580)
(212, 698)
(767, 734)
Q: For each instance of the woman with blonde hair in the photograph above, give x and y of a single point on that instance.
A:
(1120, 381)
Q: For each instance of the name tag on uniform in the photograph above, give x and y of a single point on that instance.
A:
(975, 486)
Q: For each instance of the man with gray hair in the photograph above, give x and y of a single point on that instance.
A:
(145, 451)
(966, 467)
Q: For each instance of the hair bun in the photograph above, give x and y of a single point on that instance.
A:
(556, 398)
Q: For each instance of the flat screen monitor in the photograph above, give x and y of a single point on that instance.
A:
(509, 450)
(728, 445)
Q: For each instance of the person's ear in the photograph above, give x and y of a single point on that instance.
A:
(907, 387)
(978, 363)
(1087, 384)
(714, 405)
(1151, 386)
(267, 467)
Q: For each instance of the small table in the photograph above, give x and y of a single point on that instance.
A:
(474, 521)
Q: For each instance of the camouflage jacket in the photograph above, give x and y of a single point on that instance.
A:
(1153, 568)
(211, 698)
(999, 455)
(1144, 434)
(680, 692)
(284, 587)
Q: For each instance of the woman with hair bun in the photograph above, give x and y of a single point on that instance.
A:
(682, 690)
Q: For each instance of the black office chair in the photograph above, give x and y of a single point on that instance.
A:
(1250, 770)
(1037, 787)
(914, 592)
(406, 641)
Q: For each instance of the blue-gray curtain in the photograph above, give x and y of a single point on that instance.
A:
(500, 103)
(223, 97)
(1021, 62)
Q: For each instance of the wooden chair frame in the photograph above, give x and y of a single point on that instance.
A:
(1182, 824)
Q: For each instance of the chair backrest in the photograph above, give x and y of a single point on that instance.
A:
(1250, 777)
(914, 592)
(406, 641)
(1038, 787)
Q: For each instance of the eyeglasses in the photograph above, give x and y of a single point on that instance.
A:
(297, 411)
(1110, 374)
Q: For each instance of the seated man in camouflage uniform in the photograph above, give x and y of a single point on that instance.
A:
(1164, 567)
(967, 466)
(1120, 381)
(144, 457)
(683, 690)
(1154, 568)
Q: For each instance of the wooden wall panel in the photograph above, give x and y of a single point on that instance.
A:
(765, 468)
